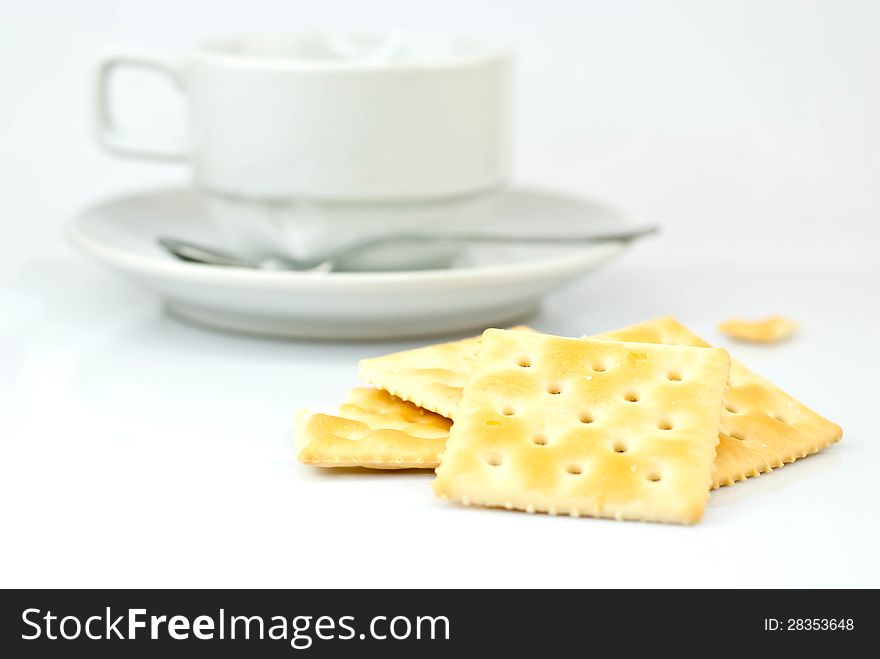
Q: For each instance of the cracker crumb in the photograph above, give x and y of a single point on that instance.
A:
(764, 330)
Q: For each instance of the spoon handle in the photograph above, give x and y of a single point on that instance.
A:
(484, 237)
(195, 253)
(349, 251)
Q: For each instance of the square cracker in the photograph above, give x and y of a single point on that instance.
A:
(772, 429)
(585, 427)
(374, 430)
(762, 427)
(431, 377)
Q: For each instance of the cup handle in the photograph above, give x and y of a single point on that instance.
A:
(106, 128)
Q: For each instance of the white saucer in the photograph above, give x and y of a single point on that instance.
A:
(489, 286)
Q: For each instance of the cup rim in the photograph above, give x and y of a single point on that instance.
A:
(489, 50)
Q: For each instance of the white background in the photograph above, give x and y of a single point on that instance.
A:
(140, 452)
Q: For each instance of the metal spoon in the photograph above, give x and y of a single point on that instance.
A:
(195, 253)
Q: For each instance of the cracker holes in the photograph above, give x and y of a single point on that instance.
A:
(586, 417)
(493, 460)
(631, 397)
(674, 376)
(524, 362)
(665, 424)
(620, 447)
(737, 436)
(779, 417)
(508, 410)
(731, 408)
(554, 389)
(599, 368)
(540, 440)
(574, 470)
(654, 477)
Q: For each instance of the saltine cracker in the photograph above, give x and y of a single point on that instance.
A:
(374, 430)
(586, 427)
(762, 427)
(432, 377)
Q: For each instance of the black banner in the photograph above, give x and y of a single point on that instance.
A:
(279, 623)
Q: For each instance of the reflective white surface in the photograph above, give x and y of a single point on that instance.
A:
(139, 451)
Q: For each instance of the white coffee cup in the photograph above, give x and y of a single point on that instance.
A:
(305, 142)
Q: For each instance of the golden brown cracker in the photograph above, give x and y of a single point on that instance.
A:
(762, 427)
(374, 430)
(586, 427)
(432, 377)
